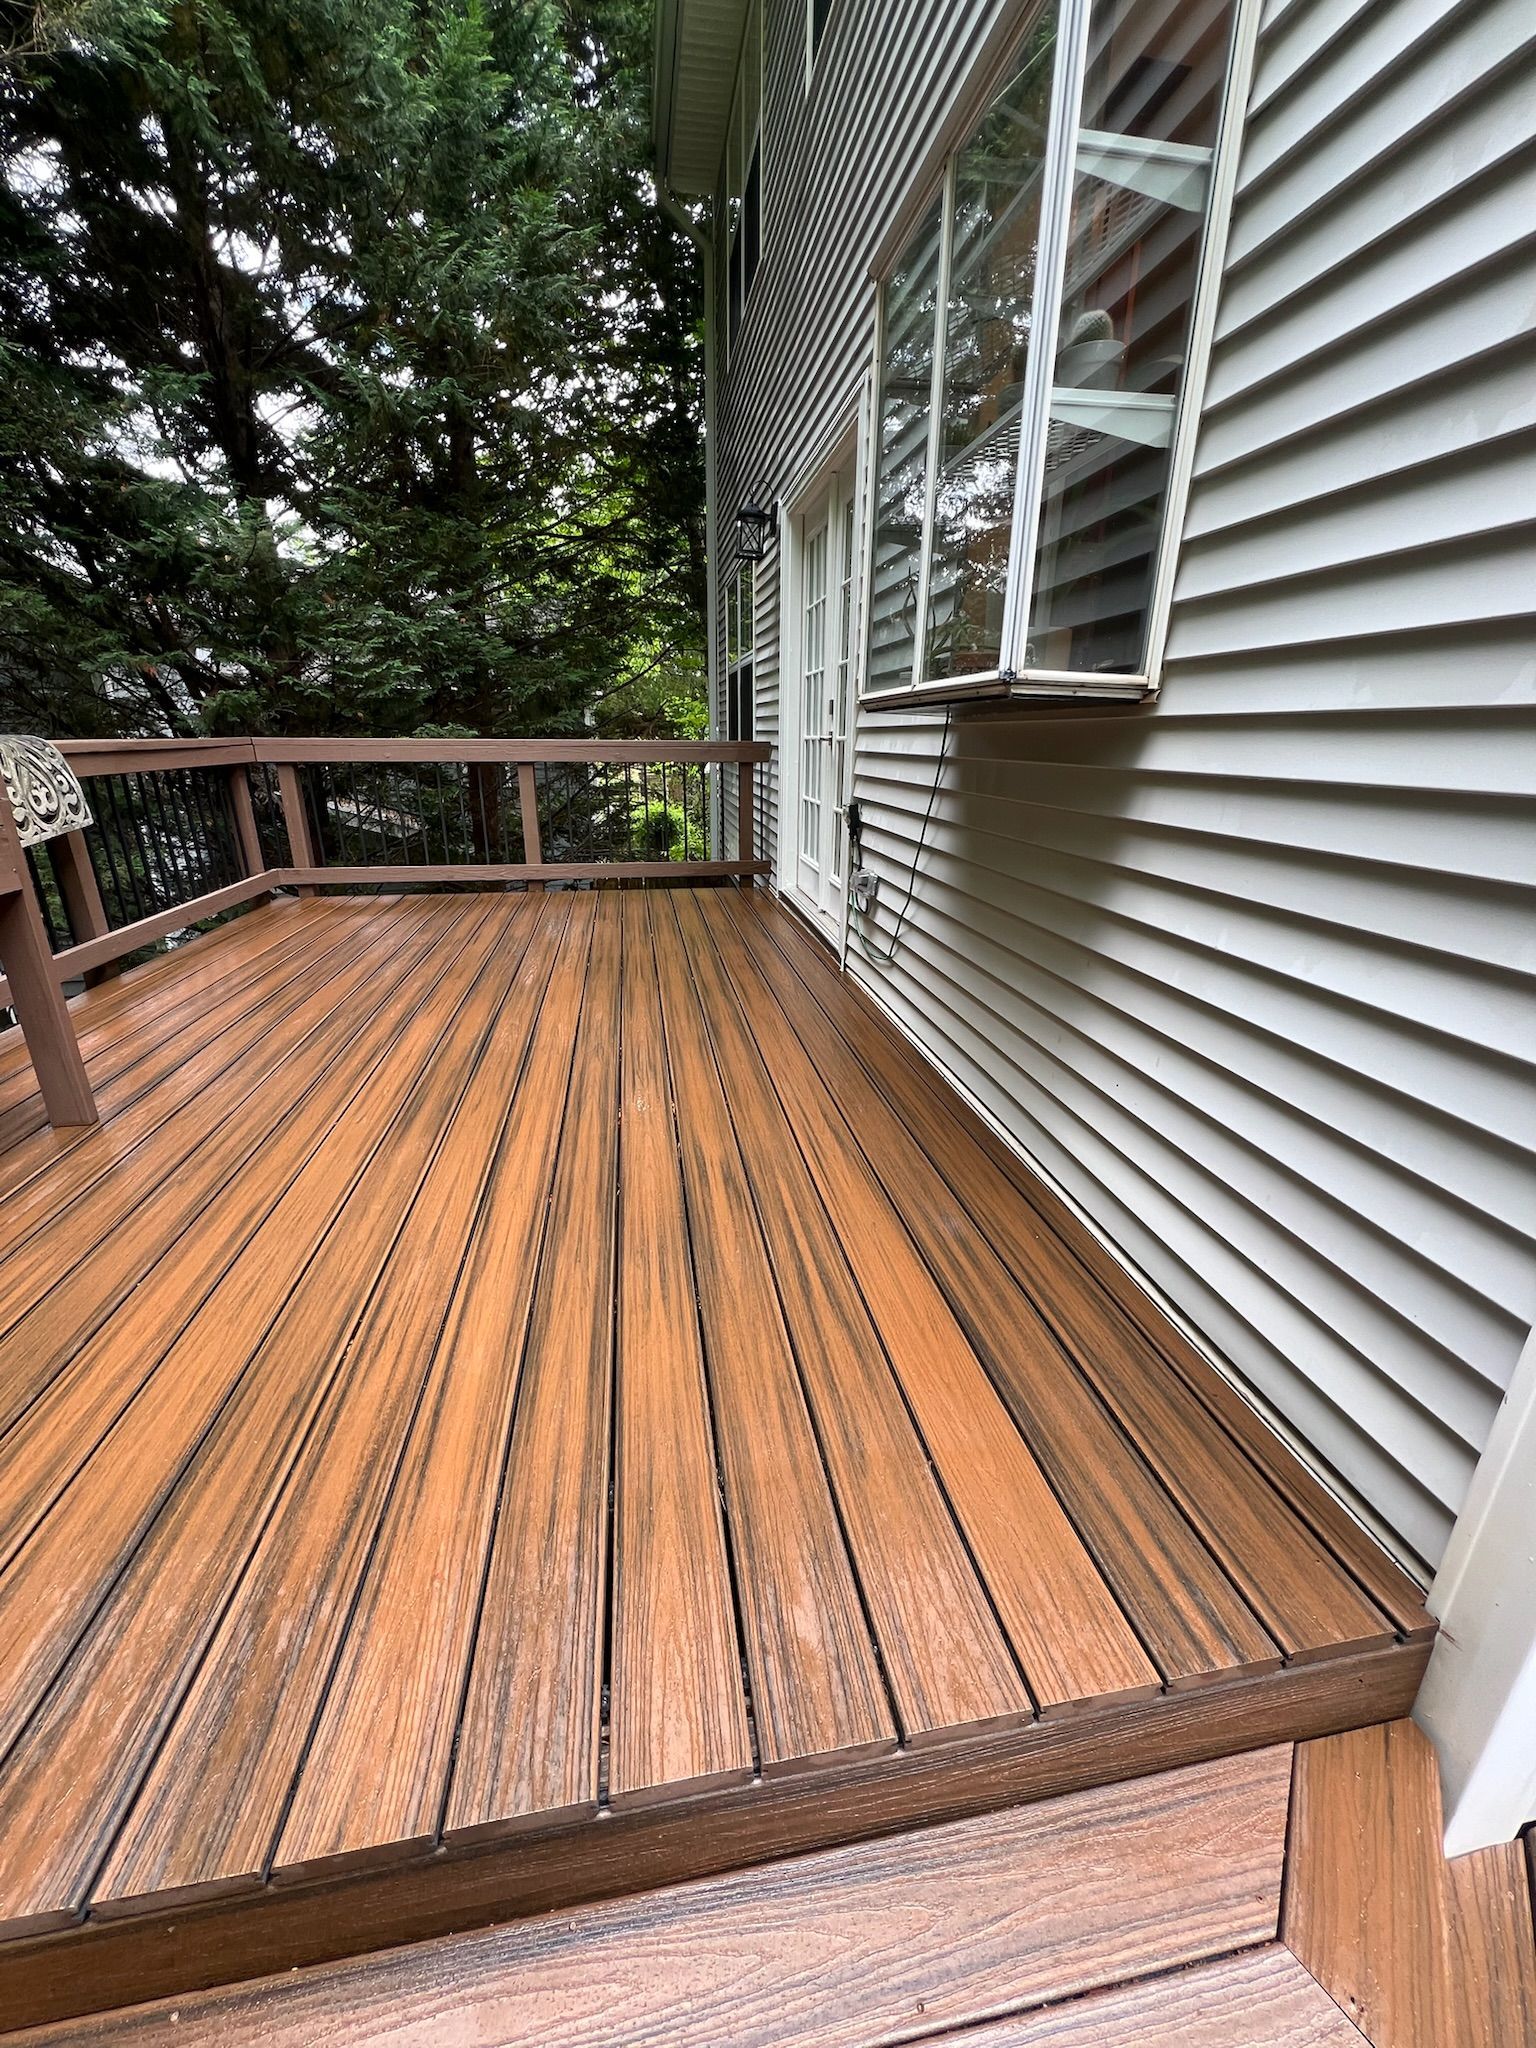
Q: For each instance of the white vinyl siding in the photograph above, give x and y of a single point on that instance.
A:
(1251, 971)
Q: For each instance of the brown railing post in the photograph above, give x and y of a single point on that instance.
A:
(35, 994)
(77, 882)
(78, 886)
(746, 813)
(301, 850)
(528, 808)
(247, 837)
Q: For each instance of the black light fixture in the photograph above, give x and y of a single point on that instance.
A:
(753, 526)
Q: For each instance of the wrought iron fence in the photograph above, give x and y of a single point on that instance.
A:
(160, 839)
(447, 813)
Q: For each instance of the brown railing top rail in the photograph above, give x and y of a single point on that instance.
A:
(131, 757)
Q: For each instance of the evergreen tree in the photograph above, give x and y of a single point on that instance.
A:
(346, 370)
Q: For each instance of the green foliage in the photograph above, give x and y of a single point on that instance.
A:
(659, 830)
(347, 373)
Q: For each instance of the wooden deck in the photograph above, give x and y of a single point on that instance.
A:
(529, 1397)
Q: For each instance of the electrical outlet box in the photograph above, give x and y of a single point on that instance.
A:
(865, 884)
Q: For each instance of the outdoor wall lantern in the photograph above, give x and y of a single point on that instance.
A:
(753, 526)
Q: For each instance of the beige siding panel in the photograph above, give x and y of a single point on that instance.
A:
(1250, 972)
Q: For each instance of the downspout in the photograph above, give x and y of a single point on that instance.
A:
(679, 216)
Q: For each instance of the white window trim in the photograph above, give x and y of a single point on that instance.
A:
(1014, 677)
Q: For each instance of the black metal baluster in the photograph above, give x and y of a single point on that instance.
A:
(466, 830)
(137, 823)
(106, 872)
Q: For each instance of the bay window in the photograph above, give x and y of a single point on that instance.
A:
(1036, 350)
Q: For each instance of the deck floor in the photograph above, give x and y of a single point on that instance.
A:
(506, 1357)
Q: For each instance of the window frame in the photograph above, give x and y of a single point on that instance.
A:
(748, 145)
(1013, 677)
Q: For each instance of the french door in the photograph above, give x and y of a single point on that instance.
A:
(826, 640)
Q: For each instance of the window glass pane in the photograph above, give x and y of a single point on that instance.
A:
(744, 627)
(1140, 186)
(735, 155)
(813, 705)
(740, 629)
(844, 669)
(901, 474)
(751, 223)
(994, 243)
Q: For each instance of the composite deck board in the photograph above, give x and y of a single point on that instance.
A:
(376, 1772)
(69, 1781)
(946, 1184)
(143, 1040)
(498, 1377)
(186, 1073)
(816, 1686)
(1078, 1286)
(1414, 1948)
(530, 1738)
(106, 1014)
(121, 1072)
(840, 1950)
(74, 1269)
(942, 1650)
(111, 1160)
(247, 1717)
(678, 1715)
(1259, 1998)
(1193, 1620)
(79, 1395)
(1070, 1634)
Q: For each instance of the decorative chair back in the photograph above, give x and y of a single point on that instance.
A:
(43, 790)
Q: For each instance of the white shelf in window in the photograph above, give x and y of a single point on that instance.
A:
(1125, 415)
(1174, 173)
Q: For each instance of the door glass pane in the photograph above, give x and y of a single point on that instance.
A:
(901, 474)
(1140, 186)
(844, 685)
(813, 695)
(994, 242)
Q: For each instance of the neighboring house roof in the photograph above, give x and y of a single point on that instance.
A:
(697, 43)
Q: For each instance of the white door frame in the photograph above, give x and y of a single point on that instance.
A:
(842, 460)
(1478, 1700)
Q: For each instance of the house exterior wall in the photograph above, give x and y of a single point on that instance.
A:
(1248, 970)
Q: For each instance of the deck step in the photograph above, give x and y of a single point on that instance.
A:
(1290, 1896)
(883, 1941)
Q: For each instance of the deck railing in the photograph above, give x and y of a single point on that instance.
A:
(187, 829)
